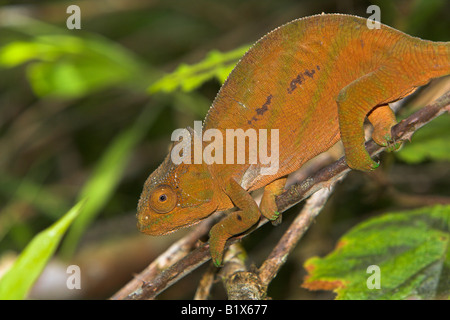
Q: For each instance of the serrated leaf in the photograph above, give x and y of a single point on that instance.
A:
(16, 283)
(431, 142)
(410, 248)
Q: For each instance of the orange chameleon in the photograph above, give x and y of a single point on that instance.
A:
(315, 79)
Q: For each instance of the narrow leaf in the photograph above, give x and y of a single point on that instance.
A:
(16, 283)
(190, 77)
(106, 176)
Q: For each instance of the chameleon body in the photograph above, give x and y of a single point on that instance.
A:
(314, 79)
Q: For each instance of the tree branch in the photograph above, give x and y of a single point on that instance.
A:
(292, 236)
(149, 284)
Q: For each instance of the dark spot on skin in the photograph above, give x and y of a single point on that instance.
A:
(297, 81)
(239, 217)
(262, 110)
(310, 73)
(362, 43)
(253, 119)
(265, 106)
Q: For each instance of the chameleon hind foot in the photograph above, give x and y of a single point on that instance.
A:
(383, 119)
(356, 101)
(268, 206)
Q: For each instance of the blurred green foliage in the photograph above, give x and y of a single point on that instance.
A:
(70, 67)
(429, 143)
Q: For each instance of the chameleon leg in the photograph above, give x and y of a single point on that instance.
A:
(355, 101)
(235, 223)
(268, 206)
(383, 119)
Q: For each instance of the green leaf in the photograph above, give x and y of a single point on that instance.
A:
(106, 176)
(411, 249)
(16, 283)
(430, 142)
(190, 77)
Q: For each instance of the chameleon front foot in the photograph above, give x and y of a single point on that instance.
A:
(234, 223)
(217, 241)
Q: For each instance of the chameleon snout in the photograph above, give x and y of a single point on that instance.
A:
(143, 221)
(152, 225)
(146, 225)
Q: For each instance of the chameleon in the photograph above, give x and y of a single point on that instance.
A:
(315, 79)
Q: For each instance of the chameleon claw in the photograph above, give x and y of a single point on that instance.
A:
(276, 220)
(216, 245)
(375, 165)
(384, 141)
(276, 215)
(217, 258)
(217, 262)
(393, 146)
(367, 165)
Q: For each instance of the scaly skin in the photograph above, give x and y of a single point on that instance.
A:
(315, 79)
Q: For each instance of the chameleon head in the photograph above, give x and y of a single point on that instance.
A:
(175, 196)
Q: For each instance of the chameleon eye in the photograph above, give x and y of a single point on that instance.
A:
(163, 199)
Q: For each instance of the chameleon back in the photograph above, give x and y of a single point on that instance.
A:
(290, 80)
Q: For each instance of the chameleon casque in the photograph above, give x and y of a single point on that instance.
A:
(315, 79)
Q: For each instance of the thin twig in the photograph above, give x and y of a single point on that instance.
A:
(289, 240)
(173, 254)
(205, 283)
(293, 195)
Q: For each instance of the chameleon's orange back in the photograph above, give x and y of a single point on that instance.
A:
(291, 78)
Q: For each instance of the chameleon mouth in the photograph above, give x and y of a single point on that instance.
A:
(153, 227)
